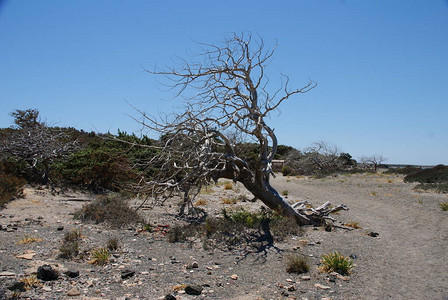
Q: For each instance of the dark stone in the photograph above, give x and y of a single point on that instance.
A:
(193, 289)
(353, 256)
(17, 286)
(46, 273)
(127, 274)
(72, 273)
(169, 297)
(373, 234)
(60, 228)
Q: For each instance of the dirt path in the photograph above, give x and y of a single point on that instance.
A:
(409, 258)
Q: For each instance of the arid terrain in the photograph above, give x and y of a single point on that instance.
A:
(407, 259)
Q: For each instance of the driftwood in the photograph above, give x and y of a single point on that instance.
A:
(318, 214)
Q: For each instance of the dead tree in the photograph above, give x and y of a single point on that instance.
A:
(374, 160)
(35, 143)
(226, 95)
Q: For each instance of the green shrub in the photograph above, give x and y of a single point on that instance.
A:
(109, 209)
(97, 169)
(336, 262)
(297, 264)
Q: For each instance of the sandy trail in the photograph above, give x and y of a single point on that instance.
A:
(409, 258)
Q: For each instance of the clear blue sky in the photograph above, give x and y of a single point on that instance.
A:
(381, 65)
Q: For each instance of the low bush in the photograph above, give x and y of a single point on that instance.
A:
(438, 174)
(112, 210)
(237, 229)
(436, 187)
(296, 263)
(336, 262)
(404, 171)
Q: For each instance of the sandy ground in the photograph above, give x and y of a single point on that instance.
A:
(408, 259)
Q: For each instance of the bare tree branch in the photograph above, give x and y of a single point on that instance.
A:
(226, 92)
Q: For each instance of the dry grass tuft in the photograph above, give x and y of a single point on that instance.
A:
(201, 202)
(28, 239)
(353, 224)
(296, 263)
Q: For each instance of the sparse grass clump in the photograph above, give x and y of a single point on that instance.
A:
(113, 244)
(31, 282)
(336, 262)
(112, 210)
(353, 224)
(70, 244)
(200, 202)
(28, 239)
(285, 192)
(229, 200)
(180, 234)
(444, 206)
(100, 256)
(297, 264)
(228, 186)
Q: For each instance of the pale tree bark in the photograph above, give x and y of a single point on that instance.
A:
(226, 96)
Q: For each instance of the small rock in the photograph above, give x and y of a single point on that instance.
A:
(291, 288)
(6, 273)
(373, 234)
(73, 292)
(193, 289)
(193, 265)
(17, 286)
(234, 277)
(343, 278)
(169, 297)
(46, 273)
(353, 256)
(322, 287)
(305, 277)
(332, 277)
(72, 273)
(60, 228)
(127, 274)
(29, 254)
(46, 288)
